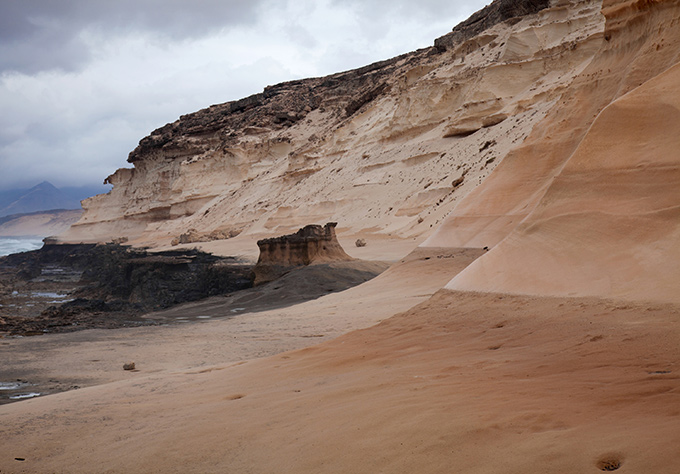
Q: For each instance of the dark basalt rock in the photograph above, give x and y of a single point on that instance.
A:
(277, 107)
(112, 287)
(163, 279)
(494, 13)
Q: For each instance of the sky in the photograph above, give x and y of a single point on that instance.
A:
(82, 81)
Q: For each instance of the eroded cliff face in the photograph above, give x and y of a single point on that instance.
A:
(311, 244)
(545, 131)
(392, 147)
(600, 214)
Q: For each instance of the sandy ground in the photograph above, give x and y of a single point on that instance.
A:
(92, 357)
(381, 247)
(393, 375)
(465, 382)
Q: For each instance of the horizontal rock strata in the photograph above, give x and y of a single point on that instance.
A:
(311, 244)
(376, 148)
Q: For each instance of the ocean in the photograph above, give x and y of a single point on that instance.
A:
(10, 245)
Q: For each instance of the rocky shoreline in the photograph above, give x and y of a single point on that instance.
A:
(63, 288)
(70, 287)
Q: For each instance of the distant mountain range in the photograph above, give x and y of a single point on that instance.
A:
(43, 197)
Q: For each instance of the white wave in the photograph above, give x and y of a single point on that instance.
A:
(10, 245)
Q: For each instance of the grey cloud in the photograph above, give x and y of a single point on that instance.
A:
(75, 129)
(300, 35)
(40, 35)
(421, 10)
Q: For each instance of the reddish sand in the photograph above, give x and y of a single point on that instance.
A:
(476, 381)
(465, 382)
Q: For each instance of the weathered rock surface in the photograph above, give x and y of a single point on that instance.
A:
(460, 143)
(69, 287)
(311, 244)
(375, 148)
(496, 12)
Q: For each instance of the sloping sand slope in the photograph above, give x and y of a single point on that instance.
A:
(40, 223)
(640, 40)
(473, 383)
(609, 224)
(467, 381)
(93, 357)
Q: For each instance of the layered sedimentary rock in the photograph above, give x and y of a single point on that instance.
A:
(382, 148)
(588, 205)
(494, 13)
(499, 136)
(311, 244)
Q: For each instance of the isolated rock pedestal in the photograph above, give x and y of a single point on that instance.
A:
(311, 244)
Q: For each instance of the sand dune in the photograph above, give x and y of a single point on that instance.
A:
(41, 224)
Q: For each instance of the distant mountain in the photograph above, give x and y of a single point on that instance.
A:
(42, 197)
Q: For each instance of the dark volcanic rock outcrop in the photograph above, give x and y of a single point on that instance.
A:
(311, 244)
(277, 107)
(494, 13)
(106, 286)
(160, 280)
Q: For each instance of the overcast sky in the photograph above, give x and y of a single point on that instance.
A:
(82, 81)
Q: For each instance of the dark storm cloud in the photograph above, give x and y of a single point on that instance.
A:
(38, 35)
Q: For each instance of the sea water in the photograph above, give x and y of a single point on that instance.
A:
(10, 245)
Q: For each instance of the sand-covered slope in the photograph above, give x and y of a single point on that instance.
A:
(640, 40)
(465, 382)
(604, 219)
(609, 224)
(391, 148)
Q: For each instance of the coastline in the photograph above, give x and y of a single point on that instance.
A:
(17, 244)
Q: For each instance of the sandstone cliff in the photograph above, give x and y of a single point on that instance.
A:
(392, 147)
(496, 134)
